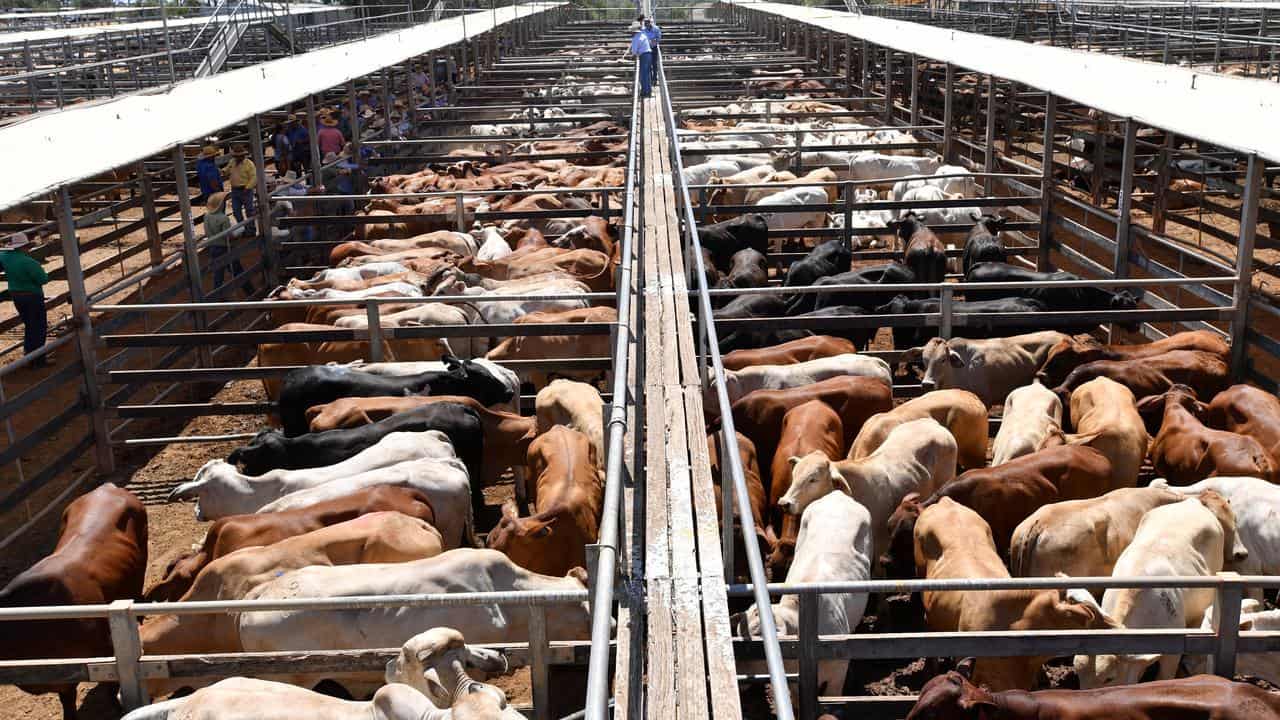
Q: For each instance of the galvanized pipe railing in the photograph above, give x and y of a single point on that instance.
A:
(608, 540)
(730, 458)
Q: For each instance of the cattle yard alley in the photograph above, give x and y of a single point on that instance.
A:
(870, 366)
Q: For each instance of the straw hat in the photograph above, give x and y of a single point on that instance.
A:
(209, 151)
(367, 113)
(216, 201)
(17, 241)
(635, 27)
(293, 118)
(239, 151)
(328, 121)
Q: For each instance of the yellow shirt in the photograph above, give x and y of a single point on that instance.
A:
(243, 174)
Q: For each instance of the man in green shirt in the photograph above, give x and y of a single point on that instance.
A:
(26, 288)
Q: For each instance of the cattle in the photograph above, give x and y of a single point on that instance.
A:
(1193, 537)
(232, 533)
(757, 497)
(100, 557)
(751, 306)
(551, 347)
(922, 251)
(796, 351)
(952, 697)
(494, 246)
(807, 428)
(918, 456)
(271, 450)
(829, 258)
(744, 337)
(1072, 352)
(723, 239)
(318, 384)
(456, 571)
(1253, 618)
(1248, 411)
(1032, 419)
(983, 243)
(284, 354)
(1106, 418)
(790, 220)
(1205, 373)
(1082, 538)
(506, 435)
(875, 166)
(435, 663)
(888, 274)
(778, 377)
(976, 324)
(381, 537)
(568, 491)
(959, 411)
(746, 270)
(990, 369)
(963, 185)
(954, 542)
(1185, 451)
(759, 415)
(1005, 495)
(833, 544)
(1255, 503)
(577, 405)
(710, 274)
(1056, 298)
(591, 267)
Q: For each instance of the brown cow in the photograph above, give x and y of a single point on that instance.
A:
(552, 347)
(1206, 373)
(231, 533)
(954, 542)
(959, 411)
(1246, 410)
(808, 427)
(506, 435)
(759, 414)
(789, 353)
(953, 697)
(101, 556)
(1004, 495)
(755, 496)
(1185, 451)
(1073, 352)
(590, 266)
(567, 494)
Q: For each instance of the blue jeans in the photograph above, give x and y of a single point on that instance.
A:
(646, 74)
(242, 205)
(35, 324)
(216, 253)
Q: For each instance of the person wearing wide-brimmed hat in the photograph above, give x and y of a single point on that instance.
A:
(280, 142)
(244, 183)
(217, 226)
(642, 50)
(26, 281)
(654, 33)
(207, 172)
(328, 136)
(300, 145)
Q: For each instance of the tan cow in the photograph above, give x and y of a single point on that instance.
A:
(954, 542)
(1106, 419)
(575, 404)
(810, 427)
(557, 347)
(959, 411)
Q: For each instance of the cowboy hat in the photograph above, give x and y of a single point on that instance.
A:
(367, 113)
(216, 201)
(328, 121)
(635, 27)
(16, 241)
(209, 151)
(239, 151)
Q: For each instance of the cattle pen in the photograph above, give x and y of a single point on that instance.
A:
(1144, 179)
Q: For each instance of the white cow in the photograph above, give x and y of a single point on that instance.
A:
(833, 545)
(791, 220)
(221, 490)
(493, 246)
(359, 272)
(1192, 537)
(456, 242)
(435, 663)
(990, 369)
(400, 288)
(1256, 505)
(779, 377)
(457, 571)
(1253, 618)
(875, 166)
(444, 482)
(965, 186)
(577, 405)
(918, 456)
(1032, 415)
(700, 173)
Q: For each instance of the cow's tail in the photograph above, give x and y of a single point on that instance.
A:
(469, 538)
(1019, 552)
(155, 711)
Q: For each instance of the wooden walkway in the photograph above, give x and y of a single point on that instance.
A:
(690, 667)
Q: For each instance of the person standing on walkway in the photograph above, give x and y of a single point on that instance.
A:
(26, 281)
(641, 49)
(207, 172)
(328, 136)
(244, 183)
(654, 33)
(280, 141)
(217, 227)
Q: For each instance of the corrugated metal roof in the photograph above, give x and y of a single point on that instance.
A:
(1235, 113)
(21, 36)
(53, 149)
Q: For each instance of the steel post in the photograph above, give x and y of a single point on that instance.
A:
(989, 151)
(190, 253)
(270, 266)
(807, 639)
(314, 140)
(150, 218)
(538, 651)
(126, 645)
(1124, 207)
(1044, 237)
(1226, 625)
(948, 113)
(1244, 266)
(915, 90)
(888, 86)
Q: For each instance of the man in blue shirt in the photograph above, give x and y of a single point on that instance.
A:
(207, 172)
(654, 33)
(641, 49)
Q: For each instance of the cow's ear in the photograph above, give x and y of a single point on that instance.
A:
(975, 216)
(793, 460)
(965, 667)
(838, 480)
(954, 359)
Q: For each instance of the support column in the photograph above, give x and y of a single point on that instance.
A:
(1043, 263)
(1164, 166)
(888, 86)
(357, 156)
(190, 253)
(150, 217)
(989, 152)
(1125, 206)
(269, 265)
(948, 112)
(915, 89)
(103, 457)
(1244, 266)
(314, 140)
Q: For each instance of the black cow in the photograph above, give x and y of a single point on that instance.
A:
(747, 269)
(905, 337)
(983, 243)
(318, 384)
(724, 239)
(271, 450)
(746, 337)
(888, 274)
(1056, 298)
(711, 273)
(829, 258)
(922, 251)
(752, 306)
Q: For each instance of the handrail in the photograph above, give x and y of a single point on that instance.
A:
(730, 458)
(607, 540)
(212, 16)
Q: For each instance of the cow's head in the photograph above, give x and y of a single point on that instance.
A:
(952, 697)
(904, 227)
(898, 559)
(266, 451)
(1066, 355)
(812, 477)
(436, 663)
(526, 540)
(993, 224)
(941, 359)
(486, 381)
